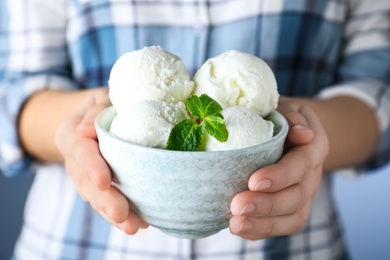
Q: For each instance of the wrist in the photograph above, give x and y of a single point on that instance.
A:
(41, 116)
(352, 129)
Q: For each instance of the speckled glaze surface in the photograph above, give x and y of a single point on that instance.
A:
(185, 194)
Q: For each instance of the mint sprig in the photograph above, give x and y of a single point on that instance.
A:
(187, 135)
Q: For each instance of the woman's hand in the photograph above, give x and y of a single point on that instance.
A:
(77, 141)
(280, 196)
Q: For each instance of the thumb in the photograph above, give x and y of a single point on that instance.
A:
(297, 116)
(299, 134)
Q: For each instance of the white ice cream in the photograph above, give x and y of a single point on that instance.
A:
(246, 128)
(150, 73)
(236, 78)
(148, 122)
(148, 88)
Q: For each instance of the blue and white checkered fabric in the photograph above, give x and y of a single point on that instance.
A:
(315, 47)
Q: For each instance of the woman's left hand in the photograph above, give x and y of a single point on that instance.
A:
(280, 195)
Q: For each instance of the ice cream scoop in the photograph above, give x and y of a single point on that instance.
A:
(246, 128)
(235, 78)
(148, 122)
(151, 73)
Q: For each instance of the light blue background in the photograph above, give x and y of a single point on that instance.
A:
(363, 203)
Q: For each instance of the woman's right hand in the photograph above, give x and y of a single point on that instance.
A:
(77, 141)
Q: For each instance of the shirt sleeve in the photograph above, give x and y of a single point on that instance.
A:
(365, 66)
(32, 57)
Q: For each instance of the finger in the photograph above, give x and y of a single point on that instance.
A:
(111, 204)
(101, 96)
(106, 217)
(259, 228)
(130, 226)
(295, 167)
(91, 162)
(299, 134)
(86, 150)
(111, 201)
(134, 210)
(259, 204)
(116, 209)
(296, 164)
(320, 142)
(132, 223)
(290, 170)
(86, 128)
(74, 172)
(144, 224)
(65, 137)
(96, 102)
(87, 103)
(299, 128)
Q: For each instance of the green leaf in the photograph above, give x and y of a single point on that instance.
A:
(210, 106)
(218, 115)
(185, 136)
(216, 127)
(195, 106)
(202, 106)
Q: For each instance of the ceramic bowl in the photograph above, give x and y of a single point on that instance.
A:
(185, 194)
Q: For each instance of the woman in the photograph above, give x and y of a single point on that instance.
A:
(331, 62)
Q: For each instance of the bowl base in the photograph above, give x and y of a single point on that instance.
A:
(188, 234)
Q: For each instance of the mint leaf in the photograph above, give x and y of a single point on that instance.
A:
(195, 106)
(210, 106)
(202, 106)
(216, 127)
(185, 136)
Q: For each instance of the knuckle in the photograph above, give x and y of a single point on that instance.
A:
(269, 229)
(251, 237)
(271, 208)
(302, 199)
(117, 217)
(292, 116)
(73, 173)
(326, 146)
(306, 163)
(98, 206)
(302, 218)
(302, 165)
(317, 180)
(96, 209)
(296, 229)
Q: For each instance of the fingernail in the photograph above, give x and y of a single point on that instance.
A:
(246, 225)
(262, 185)
(249, 207)
(300, 128)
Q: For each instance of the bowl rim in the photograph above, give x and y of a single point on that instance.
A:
(101, 130)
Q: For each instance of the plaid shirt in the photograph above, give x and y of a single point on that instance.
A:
(314, 47)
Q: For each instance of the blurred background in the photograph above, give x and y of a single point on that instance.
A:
(362, 202)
